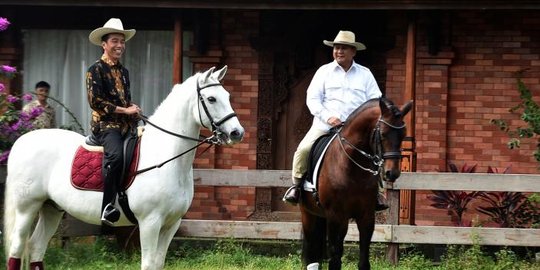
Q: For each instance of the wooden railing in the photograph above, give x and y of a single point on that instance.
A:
(393, 234)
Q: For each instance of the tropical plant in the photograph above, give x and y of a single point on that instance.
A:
(456, 202)
(509, 209)
(505, 208)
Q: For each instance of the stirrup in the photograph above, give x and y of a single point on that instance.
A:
(110, 215)
(291, 189)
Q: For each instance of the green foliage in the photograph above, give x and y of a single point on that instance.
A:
(530, 114)
(506, 260)
(461, 257)
(534, 210)
(230, 254)
(414, 261)
(466, 258)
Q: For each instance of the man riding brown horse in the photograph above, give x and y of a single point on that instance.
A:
(336, 89)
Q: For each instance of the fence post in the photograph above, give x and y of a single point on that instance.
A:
(392, 249)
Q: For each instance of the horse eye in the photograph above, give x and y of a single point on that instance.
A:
(211, 99)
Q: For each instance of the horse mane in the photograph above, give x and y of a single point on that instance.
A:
(374, 102)
(366, 105)
(175, 90)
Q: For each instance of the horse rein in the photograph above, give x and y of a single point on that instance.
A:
(380, 156)
(212, 140)
(377, 161)
(145, 119)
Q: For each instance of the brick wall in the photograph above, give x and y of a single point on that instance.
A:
(470, 81)
(459, 90)
(490, 50)
(241, 80)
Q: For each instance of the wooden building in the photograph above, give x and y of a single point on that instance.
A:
(456, 59)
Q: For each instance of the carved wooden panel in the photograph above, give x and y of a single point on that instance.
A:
(407, 197)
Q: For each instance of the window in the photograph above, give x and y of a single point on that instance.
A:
(61, 57)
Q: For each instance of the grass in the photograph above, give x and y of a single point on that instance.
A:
(283, 255)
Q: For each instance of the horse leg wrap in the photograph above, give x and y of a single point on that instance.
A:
(37, 266)
(14, 264)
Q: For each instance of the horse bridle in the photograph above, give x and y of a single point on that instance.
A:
(215, 125)
(378, 158)
(215, 139)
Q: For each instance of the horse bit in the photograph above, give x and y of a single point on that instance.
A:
(380, 156)
(212, 140)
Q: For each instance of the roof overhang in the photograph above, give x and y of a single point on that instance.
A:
(293, 4)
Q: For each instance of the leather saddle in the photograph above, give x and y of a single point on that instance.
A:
(86, 169)
(315, 159)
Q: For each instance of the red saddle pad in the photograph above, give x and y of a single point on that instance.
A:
(86, 169)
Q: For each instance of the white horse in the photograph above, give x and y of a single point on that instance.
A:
(38, 180)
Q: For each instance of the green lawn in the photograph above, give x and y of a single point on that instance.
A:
(233, 255)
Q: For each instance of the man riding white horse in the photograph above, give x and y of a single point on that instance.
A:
(113, 113)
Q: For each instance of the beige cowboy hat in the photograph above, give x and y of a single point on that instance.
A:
(345, 38)
(113, 25)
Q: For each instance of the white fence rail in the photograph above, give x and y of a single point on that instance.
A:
(392, 233)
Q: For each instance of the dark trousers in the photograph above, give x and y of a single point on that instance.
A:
(112, 142)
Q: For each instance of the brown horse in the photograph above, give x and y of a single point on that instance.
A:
(367, 147)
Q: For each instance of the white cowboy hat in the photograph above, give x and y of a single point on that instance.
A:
(345, 38)
(113, 25)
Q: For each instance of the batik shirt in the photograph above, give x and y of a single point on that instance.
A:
(107, 85)
(46, 119)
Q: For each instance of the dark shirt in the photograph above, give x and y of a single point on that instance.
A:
(107, 85)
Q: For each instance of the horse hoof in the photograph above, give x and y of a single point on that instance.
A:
(313, 266)
(36, 266)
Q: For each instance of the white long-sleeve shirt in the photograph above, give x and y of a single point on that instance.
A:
(336, 92)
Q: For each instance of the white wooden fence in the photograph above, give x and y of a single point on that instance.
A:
(392, 233)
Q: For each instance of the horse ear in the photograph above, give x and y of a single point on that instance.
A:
(407, 107)
(218, 75)
(384, 106)
(204, 77)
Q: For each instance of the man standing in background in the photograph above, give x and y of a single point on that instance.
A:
(47, 119)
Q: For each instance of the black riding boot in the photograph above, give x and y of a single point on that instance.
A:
(109, 214)
(112, 141)
(292, 195)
